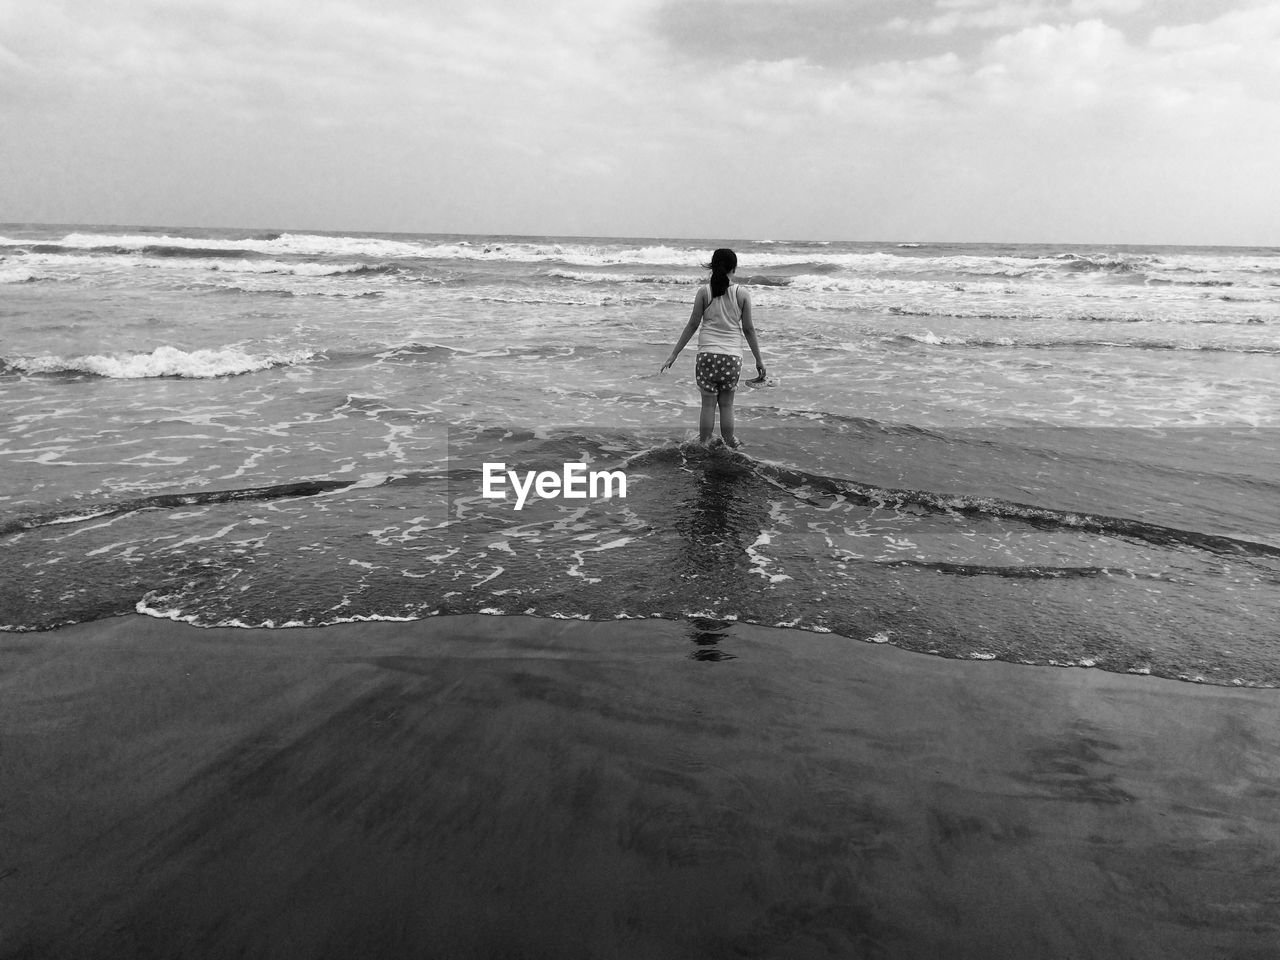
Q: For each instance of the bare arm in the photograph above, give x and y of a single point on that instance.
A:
(695, 318)
(749, 331)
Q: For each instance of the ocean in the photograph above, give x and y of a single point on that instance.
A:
(1060, 456)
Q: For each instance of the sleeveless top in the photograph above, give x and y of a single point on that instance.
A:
(721, 327)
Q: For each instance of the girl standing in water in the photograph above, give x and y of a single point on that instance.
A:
(723, 309)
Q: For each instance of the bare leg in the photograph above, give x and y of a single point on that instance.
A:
(726, 417)
(707, 418)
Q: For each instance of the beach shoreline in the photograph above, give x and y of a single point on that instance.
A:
(480, 786)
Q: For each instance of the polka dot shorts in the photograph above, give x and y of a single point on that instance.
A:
(717, 372)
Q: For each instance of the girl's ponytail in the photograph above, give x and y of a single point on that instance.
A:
(723, 262)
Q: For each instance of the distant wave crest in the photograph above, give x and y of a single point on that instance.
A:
(929, 338)
(903, 259)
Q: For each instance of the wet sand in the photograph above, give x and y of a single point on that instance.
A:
(483, 787)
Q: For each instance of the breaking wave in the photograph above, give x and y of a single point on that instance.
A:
(929, 338)
(935, 261)
(161, 362)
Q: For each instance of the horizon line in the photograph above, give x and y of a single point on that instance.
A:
(701, 240)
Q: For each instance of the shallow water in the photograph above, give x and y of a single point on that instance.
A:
(1037, 454)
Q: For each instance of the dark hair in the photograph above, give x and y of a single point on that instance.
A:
(723, 262)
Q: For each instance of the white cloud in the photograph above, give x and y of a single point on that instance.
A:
(1236, 55)
(1232, 61)
(974, 15)
(952, 16)
(1056, 66)
(1089, 8)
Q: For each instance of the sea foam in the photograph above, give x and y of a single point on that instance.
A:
(16, 275)
(161, 362)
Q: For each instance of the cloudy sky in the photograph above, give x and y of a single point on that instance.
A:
(1095, 121)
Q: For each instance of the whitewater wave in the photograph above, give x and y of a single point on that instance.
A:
(929, 338)
(1106, 263)
(305, 269)
(306, 245)
(817, 283)
(1200, 269)
(161, 362)
(581, 276)
(419, 352)
(17, 275)
(67, 262)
